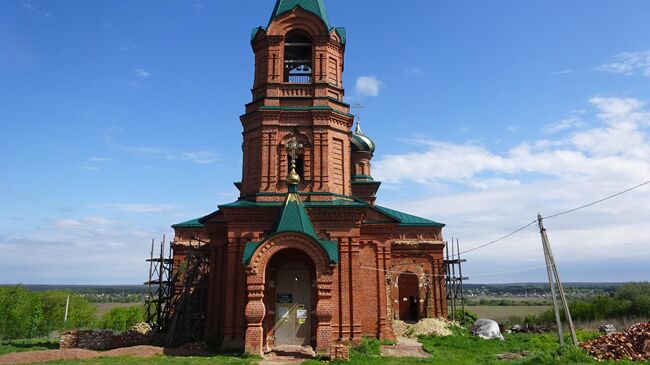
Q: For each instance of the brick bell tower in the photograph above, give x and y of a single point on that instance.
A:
(297, 93)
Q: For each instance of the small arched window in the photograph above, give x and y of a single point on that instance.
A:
(298, 61)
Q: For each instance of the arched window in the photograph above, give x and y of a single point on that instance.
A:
(298, 59)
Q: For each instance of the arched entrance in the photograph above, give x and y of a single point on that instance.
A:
(408, 296)
(284, 256)
(290, 295)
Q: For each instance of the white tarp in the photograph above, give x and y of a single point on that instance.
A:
(487, 329)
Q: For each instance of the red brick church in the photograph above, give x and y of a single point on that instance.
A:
(305, 256)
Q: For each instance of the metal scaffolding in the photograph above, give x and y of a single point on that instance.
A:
(454, 281)
(176, 305)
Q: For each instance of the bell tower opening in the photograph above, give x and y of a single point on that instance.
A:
(298, 59)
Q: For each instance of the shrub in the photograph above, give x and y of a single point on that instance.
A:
(121, 319)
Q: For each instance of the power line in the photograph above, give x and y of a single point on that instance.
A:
(499, 239)
(557, 215)
(598, 201)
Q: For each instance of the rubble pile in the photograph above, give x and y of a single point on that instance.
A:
(140, 334)
(633, 344)
(527, 328)
(86, 339)
(339, 352)
(431, 326)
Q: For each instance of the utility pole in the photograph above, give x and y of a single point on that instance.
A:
(551, 270)
(67, 305)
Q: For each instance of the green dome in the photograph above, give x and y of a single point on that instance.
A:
(361, 142)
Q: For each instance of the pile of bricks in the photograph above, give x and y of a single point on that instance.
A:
(86, 339)
(339, 352)
(140, 334)
(633, 344)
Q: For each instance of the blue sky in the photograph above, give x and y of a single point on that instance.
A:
(119, 119)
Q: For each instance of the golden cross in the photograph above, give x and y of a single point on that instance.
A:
(293, 146)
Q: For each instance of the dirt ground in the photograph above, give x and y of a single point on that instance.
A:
(79, 354)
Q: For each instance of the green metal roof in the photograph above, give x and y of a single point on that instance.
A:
(407, 220)
(255, 31)
(194, 223)
(316, 7)
(294, 218)
(342, 33)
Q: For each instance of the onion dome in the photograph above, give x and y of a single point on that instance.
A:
(361, 142)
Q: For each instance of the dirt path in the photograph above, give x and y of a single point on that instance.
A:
(79, 354)
(405, 347)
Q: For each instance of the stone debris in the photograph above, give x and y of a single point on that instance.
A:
(140, 334)
(607, 329)
(527, 328)
(486, 329)
(339, 352)
(633, 344)
(426, 327)
(87, 339)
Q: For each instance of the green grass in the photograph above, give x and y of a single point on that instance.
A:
(28, 345)
(460, 349)
(465, 349)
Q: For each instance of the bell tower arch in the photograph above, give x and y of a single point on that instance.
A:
(297, 90)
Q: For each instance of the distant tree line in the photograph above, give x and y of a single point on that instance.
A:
(30, 314)
(631, 300)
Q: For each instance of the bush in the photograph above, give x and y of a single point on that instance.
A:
(368, 347)
(27, 314)
(121, 319)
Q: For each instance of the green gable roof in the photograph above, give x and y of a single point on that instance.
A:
(294, 218)
(407, 220)
(194, 223)
(316, 7)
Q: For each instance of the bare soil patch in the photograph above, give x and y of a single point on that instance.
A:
(79, 354)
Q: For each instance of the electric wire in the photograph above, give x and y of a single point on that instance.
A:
(598, 201)
(557, 215)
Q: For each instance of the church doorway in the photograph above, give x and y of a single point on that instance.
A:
(408, 297)
(292, 302)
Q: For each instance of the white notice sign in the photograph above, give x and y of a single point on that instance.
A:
(284, 312)
(301, 314)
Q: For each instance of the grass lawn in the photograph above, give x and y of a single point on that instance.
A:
(465, 349)
(460, 349)
(28, 345)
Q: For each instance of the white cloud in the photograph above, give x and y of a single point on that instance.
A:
(368, 86)
(567, 71)
(564, 124)
(141, 208)
(482, 194)
(201, 157)
(142, 73)
(628, 63)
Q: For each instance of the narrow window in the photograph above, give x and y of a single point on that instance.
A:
(297, 59)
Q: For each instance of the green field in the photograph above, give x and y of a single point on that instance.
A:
(103, 308)
(502, 313)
